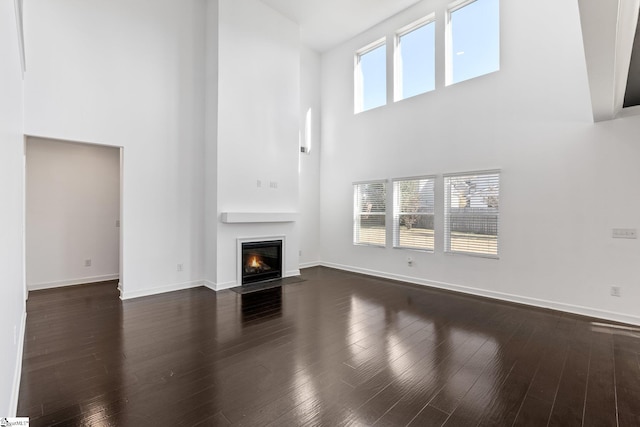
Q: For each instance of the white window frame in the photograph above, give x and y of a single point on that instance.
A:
(447, 207)
(357, 213)
(448, 45)
(397, 54)
(397, 213)
(358, 89)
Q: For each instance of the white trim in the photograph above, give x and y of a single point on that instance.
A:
(448, 206)
(371, 181)
(292, 273)
(358, 94)
(357, 213)
(409, 248)
(371, 46)
(25, 291)
(161, 290)
(310, 264)
(121, 260)
(535, 302)
(15, 393)
(398, 94)
(257, 217)
(472, 173)
(451, 8)
(448, 46)
(425, 20)
(72, 282)
(414, 178)
(226, 285)
(457, 5)
(72, 141)
(370, 245)
(473, 254)
(395, 225)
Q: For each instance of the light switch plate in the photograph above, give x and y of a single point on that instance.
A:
(625, 233)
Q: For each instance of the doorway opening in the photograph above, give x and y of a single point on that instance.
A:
(73, 205)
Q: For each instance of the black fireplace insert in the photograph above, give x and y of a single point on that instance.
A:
(261, 261)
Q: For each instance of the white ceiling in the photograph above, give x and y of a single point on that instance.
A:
(327, 23)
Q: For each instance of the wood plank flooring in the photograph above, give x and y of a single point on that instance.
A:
(338, 349)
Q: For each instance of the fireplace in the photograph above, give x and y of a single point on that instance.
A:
(261, 261)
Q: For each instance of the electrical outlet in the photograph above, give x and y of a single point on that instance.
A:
(87, 263)
(299, 253)
(625, 233)
(180, 267)
(273, 184)
(258, 183)
(409, 261)
(615, 291)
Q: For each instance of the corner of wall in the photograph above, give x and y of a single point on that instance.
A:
(15, 390)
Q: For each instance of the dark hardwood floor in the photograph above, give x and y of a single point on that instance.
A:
(337, 349)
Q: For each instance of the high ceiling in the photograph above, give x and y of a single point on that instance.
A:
(327, 23)
(608, 30)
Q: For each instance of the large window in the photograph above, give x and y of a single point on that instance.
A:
(415, 59)
(369, 213)
(473, 39)
(472, 48)
(371, 76)
(413, 209)
(471, 213)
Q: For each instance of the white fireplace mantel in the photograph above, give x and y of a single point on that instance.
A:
(257, 217)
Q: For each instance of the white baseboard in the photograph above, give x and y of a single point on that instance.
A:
(226, 285)
(15, 391)
(71, 282)
(209, 285)
(125, 295)
(310, 264)
(559, 306)
(218, 287)
(292, 273)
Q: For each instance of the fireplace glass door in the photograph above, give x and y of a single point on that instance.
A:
(261, 261)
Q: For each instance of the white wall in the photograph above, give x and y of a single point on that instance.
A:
(565, 182)
(72, 205)
(210, 157)
(258, 121)
(131, 74)
(12, 291)
(310, 162)
(204, 97)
